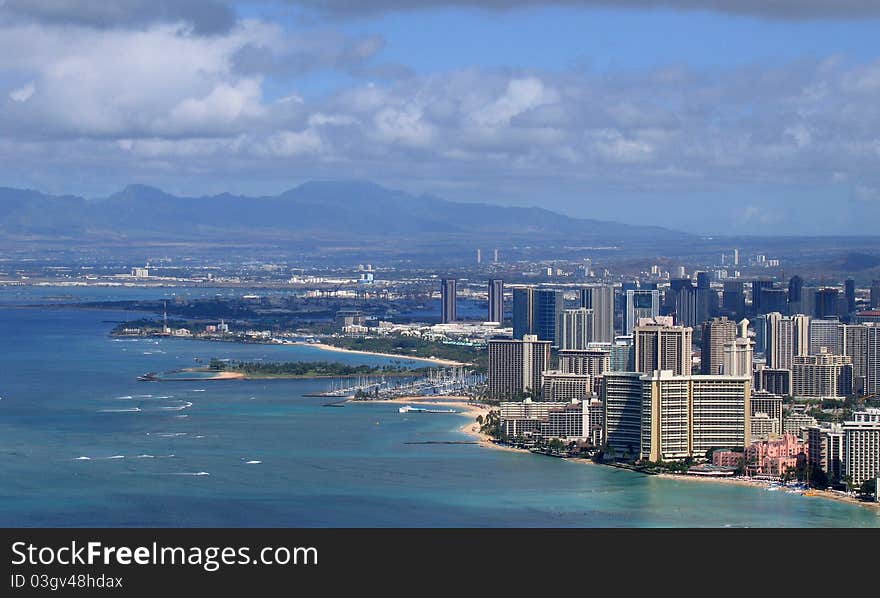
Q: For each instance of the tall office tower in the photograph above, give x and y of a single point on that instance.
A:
(515, 366)
(774, 300)
(495, 256)
(779, 341)
(523, 311)
(479, 256)
(496, 301)
(861, 446)
(685, 416)
(706, 299)
(757, 287)
(825, 334)
(872, 359)
(717, 332)
(622, 354)
(588, 362)
(447, 300)
(777, 382)
(733, 299)
(640, 303)
(760, 326)
(601, 300)
(827, 303)
(826, 448)
(660, 346)
(771, 404)
(577, 328)
(621, 394)
(738, 353)
(822, 376)
(801, 334)
(736, 257)
(558, 386)
(549, 305)
(795, 292)
(849, 291)
(681, 299)
(853, 342)
(875, 294)
(808, 301)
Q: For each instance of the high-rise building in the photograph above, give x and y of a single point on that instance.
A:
(586, 362)
(738, 353)
(622, 354)
(549, 305)
(827, 303)
(681, 300)
(774, 381)
(640, 303)
(872, 359)
(662, 346)
(825, 334)
(621, 395)
(447, 300)
(577, 328)
(757, 287)
(558, 386)
(733, 299)
(786, 336)
(706, 299)
(523, 311)
(826, 449)
(600, 299)
(771, 404)
(853, 342)
(849, 291)
(479, 256)
(685, 416)
(774, 300)
(822, 376)
(795, 293)
(716, 334)
(875, 294)
(515, 366)
(496, 301)
(862, 446)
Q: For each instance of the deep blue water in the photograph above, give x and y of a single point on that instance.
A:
(69, 392)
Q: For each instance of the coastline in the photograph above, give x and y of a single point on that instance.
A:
(434, 360)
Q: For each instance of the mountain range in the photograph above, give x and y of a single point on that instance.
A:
(314, 213)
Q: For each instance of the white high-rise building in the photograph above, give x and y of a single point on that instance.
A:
(824, 334)
(786, 337)
(862, 446)
(661, 346)
(822, 376)
(577, 328)
(600, 299)
(737, 360)
(640, 303)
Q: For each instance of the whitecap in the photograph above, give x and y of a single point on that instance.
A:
(83, 459)
(252, 462)
(145, 457)
(197, 473)
(116, 457)
(198, 390)
(132, 410)
(181, 416)
(125, 397)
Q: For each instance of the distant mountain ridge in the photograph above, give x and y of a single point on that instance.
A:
(319, 212)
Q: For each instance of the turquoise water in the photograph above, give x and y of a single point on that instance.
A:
(82, 443)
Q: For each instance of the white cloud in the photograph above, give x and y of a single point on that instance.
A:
(23, 94)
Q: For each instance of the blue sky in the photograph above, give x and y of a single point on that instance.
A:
(717, 116)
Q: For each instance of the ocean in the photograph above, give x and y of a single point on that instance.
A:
(83, 443)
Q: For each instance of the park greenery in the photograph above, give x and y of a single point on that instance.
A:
(308, 369)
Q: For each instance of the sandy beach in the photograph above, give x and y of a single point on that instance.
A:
(469, 409)
(433, 360)
(812, 493)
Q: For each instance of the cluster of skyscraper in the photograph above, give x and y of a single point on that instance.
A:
(637, 393)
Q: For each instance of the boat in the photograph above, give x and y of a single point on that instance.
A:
(149, 377)
(411, 409)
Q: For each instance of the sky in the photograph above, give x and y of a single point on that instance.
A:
(712, 116)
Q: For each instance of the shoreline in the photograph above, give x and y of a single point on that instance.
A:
(434, 360)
